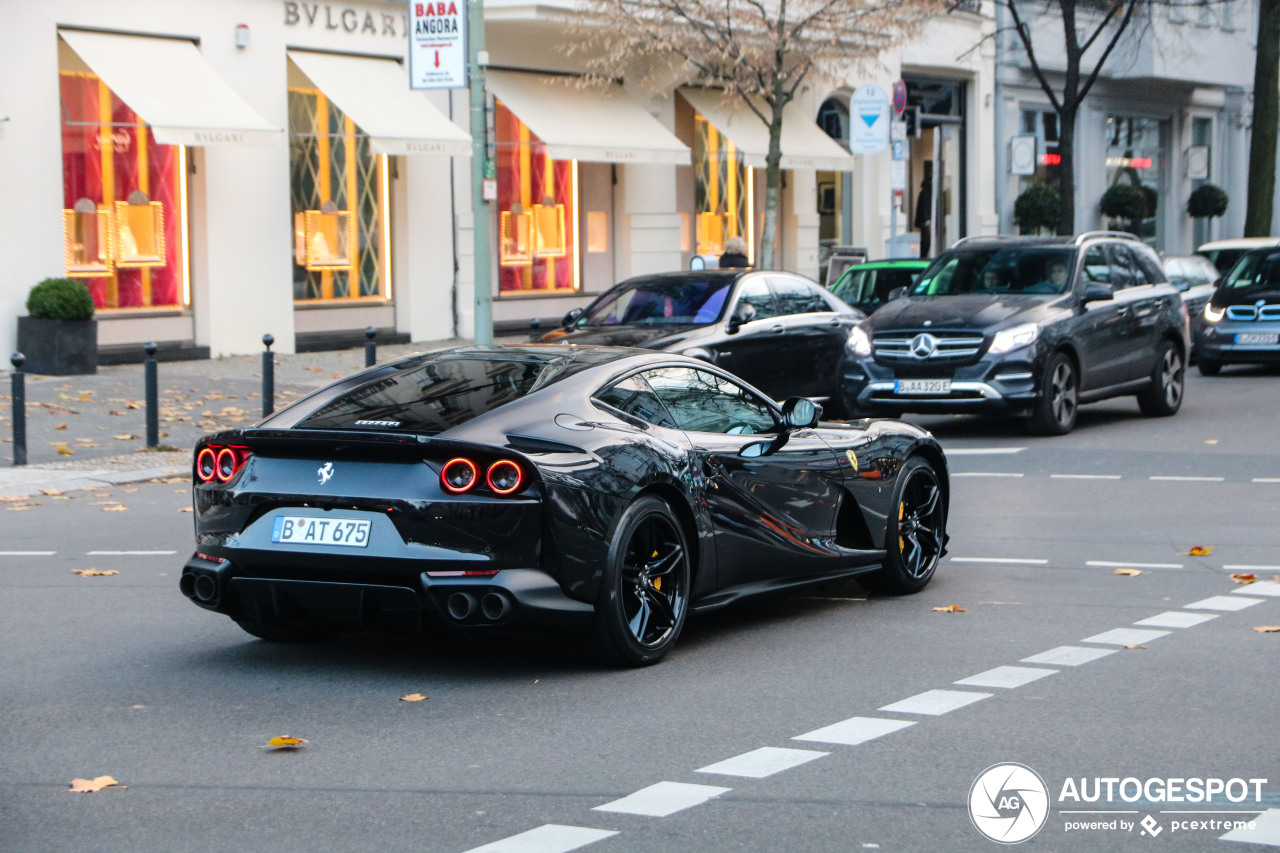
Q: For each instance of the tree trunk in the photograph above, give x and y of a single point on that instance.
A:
(1067, 167)
(1266, 109)
(772, 191)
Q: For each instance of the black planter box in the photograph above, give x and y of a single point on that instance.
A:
(58, 347)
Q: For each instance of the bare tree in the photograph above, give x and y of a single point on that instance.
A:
(760, 52)
(1266, 106)
(1086, 34)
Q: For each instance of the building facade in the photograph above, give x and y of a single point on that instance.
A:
(219, 171)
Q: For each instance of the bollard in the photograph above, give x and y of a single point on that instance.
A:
(370, 348)
(535, 329)
(149, 380)
(19, 409)
(268, 376)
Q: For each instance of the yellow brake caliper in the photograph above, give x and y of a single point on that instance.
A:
(902, 509)
(657, 582)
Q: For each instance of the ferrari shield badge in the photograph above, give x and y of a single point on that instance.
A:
(853, 459)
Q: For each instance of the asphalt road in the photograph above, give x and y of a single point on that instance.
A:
(119, 675)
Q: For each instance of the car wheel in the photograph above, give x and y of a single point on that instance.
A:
(1055, 411)
(644, 592)
(269, 627)
(1164, 396)
(1208, 368)
(915, 534)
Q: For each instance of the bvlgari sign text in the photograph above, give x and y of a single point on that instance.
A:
(348, 19)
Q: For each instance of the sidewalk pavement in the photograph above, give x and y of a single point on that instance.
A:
(85, 432)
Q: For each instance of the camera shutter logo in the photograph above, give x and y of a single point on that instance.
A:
(1008, 803)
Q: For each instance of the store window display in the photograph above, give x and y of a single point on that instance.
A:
(722, 191)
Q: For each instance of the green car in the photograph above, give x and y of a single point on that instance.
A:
(867, 286)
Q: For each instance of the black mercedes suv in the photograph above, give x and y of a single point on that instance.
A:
(1024, 326)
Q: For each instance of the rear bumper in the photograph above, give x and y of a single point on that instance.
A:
(519, 597)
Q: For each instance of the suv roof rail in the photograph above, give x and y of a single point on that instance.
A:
(1090, 235)
(973, 237)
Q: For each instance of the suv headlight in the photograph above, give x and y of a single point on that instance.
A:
(1011, 339)
(859, 344)
(1212, 314)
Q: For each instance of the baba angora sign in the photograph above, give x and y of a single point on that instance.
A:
(438, 44)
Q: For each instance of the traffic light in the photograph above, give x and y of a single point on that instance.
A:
(911, 118)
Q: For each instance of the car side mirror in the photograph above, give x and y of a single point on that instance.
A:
(571, 318)
(800, 413)
(1097, 292)
(896, 293)
(745, 312)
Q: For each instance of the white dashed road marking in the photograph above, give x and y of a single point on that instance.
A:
(984, 451)
(1247, 567)
(1266, 830)
(762, 762)
(1125, 636)
(854, 730)
(1223, 602)
(1009, 560)
(1189, 479)
(550, 838)
(935, 702)
(1266, 480)
(662, 799)
(983, 474)
(1176, 619)
(131, 553)
(1069, 655)
(1270, 589)
(1084, 476)
(1006, 676)
(1108, 565)
(27, 553)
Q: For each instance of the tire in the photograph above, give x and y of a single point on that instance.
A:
(915, 534)
(272, 629)
(1055, 410)
(1168, 383)
(644, 591)
(1208, 368)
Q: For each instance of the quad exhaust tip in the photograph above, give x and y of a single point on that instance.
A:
(206, 588)
(495, 606)
(460, 605)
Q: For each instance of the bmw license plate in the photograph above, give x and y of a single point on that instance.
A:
(1258, 338)
(922, 386)
(304, 530)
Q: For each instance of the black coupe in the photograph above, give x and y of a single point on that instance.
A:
(486, 486)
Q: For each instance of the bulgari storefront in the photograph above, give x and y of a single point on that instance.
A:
(214, 172)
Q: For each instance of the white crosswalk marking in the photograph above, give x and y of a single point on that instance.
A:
(1006, 676)
(1176, 619)
(1223, 602)
(662, 799)
(935, 702)
(762, 762)
(1267, 588)
(549, 838)
(1266, 830)
(1125, 636)
(854, 730)
(1069, 655)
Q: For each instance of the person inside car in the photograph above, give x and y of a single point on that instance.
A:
(1056, 281)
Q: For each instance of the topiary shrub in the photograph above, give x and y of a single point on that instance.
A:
(1038, 207)
(1207, 201)
(1124, 201)
(60, 299)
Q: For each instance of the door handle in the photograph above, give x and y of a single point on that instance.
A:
(1122, 311)
(778, 330)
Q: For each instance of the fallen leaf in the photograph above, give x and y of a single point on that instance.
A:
(133, 405)
(60, 426)
(413, 697)
(94, 573)
(284, 742)
(1201, 551)
(125, 436)
(1129, 573)
(1134, 646)
(102, 494)
(1249, 578)
(1211, 441)
(50, 492)
(950, 608)
(1267, 629)
(315, 370)
(65, 451)
(129, 491)
(90, 786)
(184, 509)
(116, 508)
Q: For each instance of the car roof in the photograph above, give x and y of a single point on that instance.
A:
(1240, 243)
(889, 263)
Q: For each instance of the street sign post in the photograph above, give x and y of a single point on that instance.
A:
(899, 97)
(437, 44)
(869, 121)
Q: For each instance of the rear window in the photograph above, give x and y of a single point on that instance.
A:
(433, 396)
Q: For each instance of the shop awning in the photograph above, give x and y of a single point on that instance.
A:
(173, 89)
(590, 124)
(375, 93)
(804, 144)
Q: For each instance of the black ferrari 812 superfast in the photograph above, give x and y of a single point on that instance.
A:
(621, 489)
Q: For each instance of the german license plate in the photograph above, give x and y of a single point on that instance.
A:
(1258, 338)
(305, 530)
(922, 386)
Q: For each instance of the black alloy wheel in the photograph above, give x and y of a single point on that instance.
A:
(1164, 396)
(1055, 411)
(915, 535)
(644, 593)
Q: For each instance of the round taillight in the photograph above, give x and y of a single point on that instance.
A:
(206, 464)
(505, 476)
(459, 475)
(226, 467)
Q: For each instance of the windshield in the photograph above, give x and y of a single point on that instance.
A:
(1256, 269)
(872, 286)
(661, 302)
(1027, 269)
